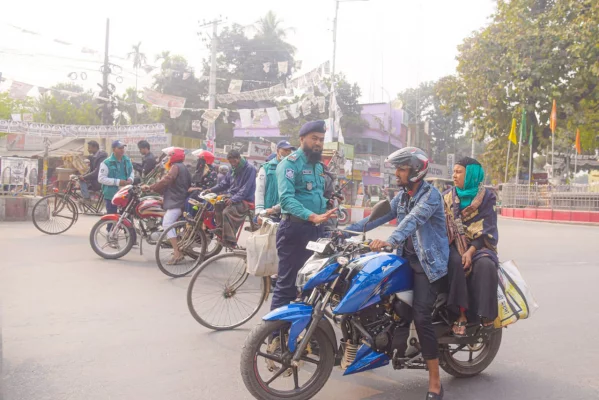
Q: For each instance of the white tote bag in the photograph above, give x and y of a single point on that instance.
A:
(514, 296)
(261, 247)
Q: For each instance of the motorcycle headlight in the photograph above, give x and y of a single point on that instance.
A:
(310, 268)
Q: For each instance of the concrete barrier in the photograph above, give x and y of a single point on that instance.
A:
(534, 214)
(17, 208)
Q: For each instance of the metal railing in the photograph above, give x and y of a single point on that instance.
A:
(554, 197)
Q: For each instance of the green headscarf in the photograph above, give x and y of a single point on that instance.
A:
(475, 175)
(239, 166)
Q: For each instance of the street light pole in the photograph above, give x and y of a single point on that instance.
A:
(390, 122)
(331, 102)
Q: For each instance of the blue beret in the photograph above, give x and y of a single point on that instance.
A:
(313, 126)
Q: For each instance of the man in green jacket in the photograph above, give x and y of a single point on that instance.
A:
(301, 184)
(267, 193)
(115, 171)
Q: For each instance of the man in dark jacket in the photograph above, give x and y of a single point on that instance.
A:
(148, 161)
(240, 184)
(89, 181)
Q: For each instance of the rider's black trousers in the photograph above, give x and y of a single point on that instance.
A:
(425, 294)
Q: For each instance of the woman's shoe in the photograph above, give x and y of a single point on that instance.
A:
(435, 396)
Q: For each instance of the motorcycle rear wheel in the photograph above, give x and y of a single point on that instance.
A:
(475, 365)
(257, 346)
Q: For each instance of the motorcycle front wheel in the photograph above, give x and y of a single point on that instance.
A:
(466, 361)
(110, 245)
(266, 369)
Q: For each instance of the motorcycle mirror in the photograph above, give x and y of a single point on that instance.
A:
(136, 181)
(380, 209)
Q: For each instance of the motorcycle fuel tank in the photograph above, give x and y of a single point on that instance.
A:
(150, 208)
(381, 274)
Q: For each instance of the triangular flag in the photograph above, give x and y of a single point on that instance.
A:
(553, 119)
(578, 145)
(512, 138)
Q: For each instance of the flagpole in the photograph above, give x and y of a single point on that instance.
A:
(575, 161)
(530, 161)
(522, 126)
(509, 145)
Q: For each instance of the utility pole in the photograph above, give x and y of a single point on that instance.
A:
(106, 118)
(211, 135)
(472, 150)
(331, 102)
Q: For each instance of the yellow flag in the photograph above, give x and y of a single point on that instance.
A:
(513, 138)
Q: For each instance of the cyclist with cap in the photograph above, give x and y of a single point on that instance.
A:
(267, 192)
(116, 170)
(421, 238)
(173, 187)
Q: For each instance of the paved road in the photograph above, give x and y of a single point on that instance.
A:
(79, 327)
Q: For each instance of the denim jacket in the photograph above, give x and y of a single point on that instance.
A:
(422, 217)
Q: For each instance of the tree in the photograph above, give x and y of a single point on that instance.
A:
(63, 108)
(139, 60)
(533, 51)
(347, 97)
(176, 78)
(425, 104)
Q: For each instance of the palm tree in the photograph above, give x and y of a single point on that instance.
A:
(271, 33)
(270, 26)
(139, 59)
(165, 56)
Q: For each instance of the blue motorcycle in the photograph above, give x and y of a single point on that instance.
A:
(368, 296)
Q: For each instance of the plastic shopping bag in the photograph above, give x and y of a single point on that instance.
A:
(513, 295)
(262, 257)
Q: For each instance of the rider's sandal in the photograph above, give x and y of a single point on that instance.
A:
(435, 396)
(175, 261)
(459, 324)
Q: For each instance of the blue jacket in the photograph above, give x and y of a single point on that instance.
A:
(241, 187)
(422, 217)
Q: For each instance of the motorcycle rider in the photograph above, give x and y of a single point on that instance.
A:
(204, 177)
(174, 188)
(89, 181)
(267, 192)
(421, 238)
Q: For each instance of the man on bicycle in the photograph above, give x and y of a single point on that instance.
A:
(240, 185)
(89, 181)
(267, 192)
(148, 161)
(174, 188)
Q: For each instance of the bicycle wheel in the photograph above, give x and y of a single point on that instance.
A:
(192, 252)
(222, 295)
(54, 214)
(213, 247)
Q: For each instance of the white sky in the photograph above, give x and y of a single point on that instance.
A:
(395, 43)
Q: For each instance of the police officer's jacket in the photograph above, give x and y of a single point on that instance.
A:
(301, 186)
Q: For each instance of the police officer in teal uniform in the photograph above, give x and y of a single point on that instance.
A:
(301, 184)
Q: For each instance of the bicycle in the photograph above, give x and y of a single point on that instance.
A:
(235, 292)
(56, 213)
(193, 239)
